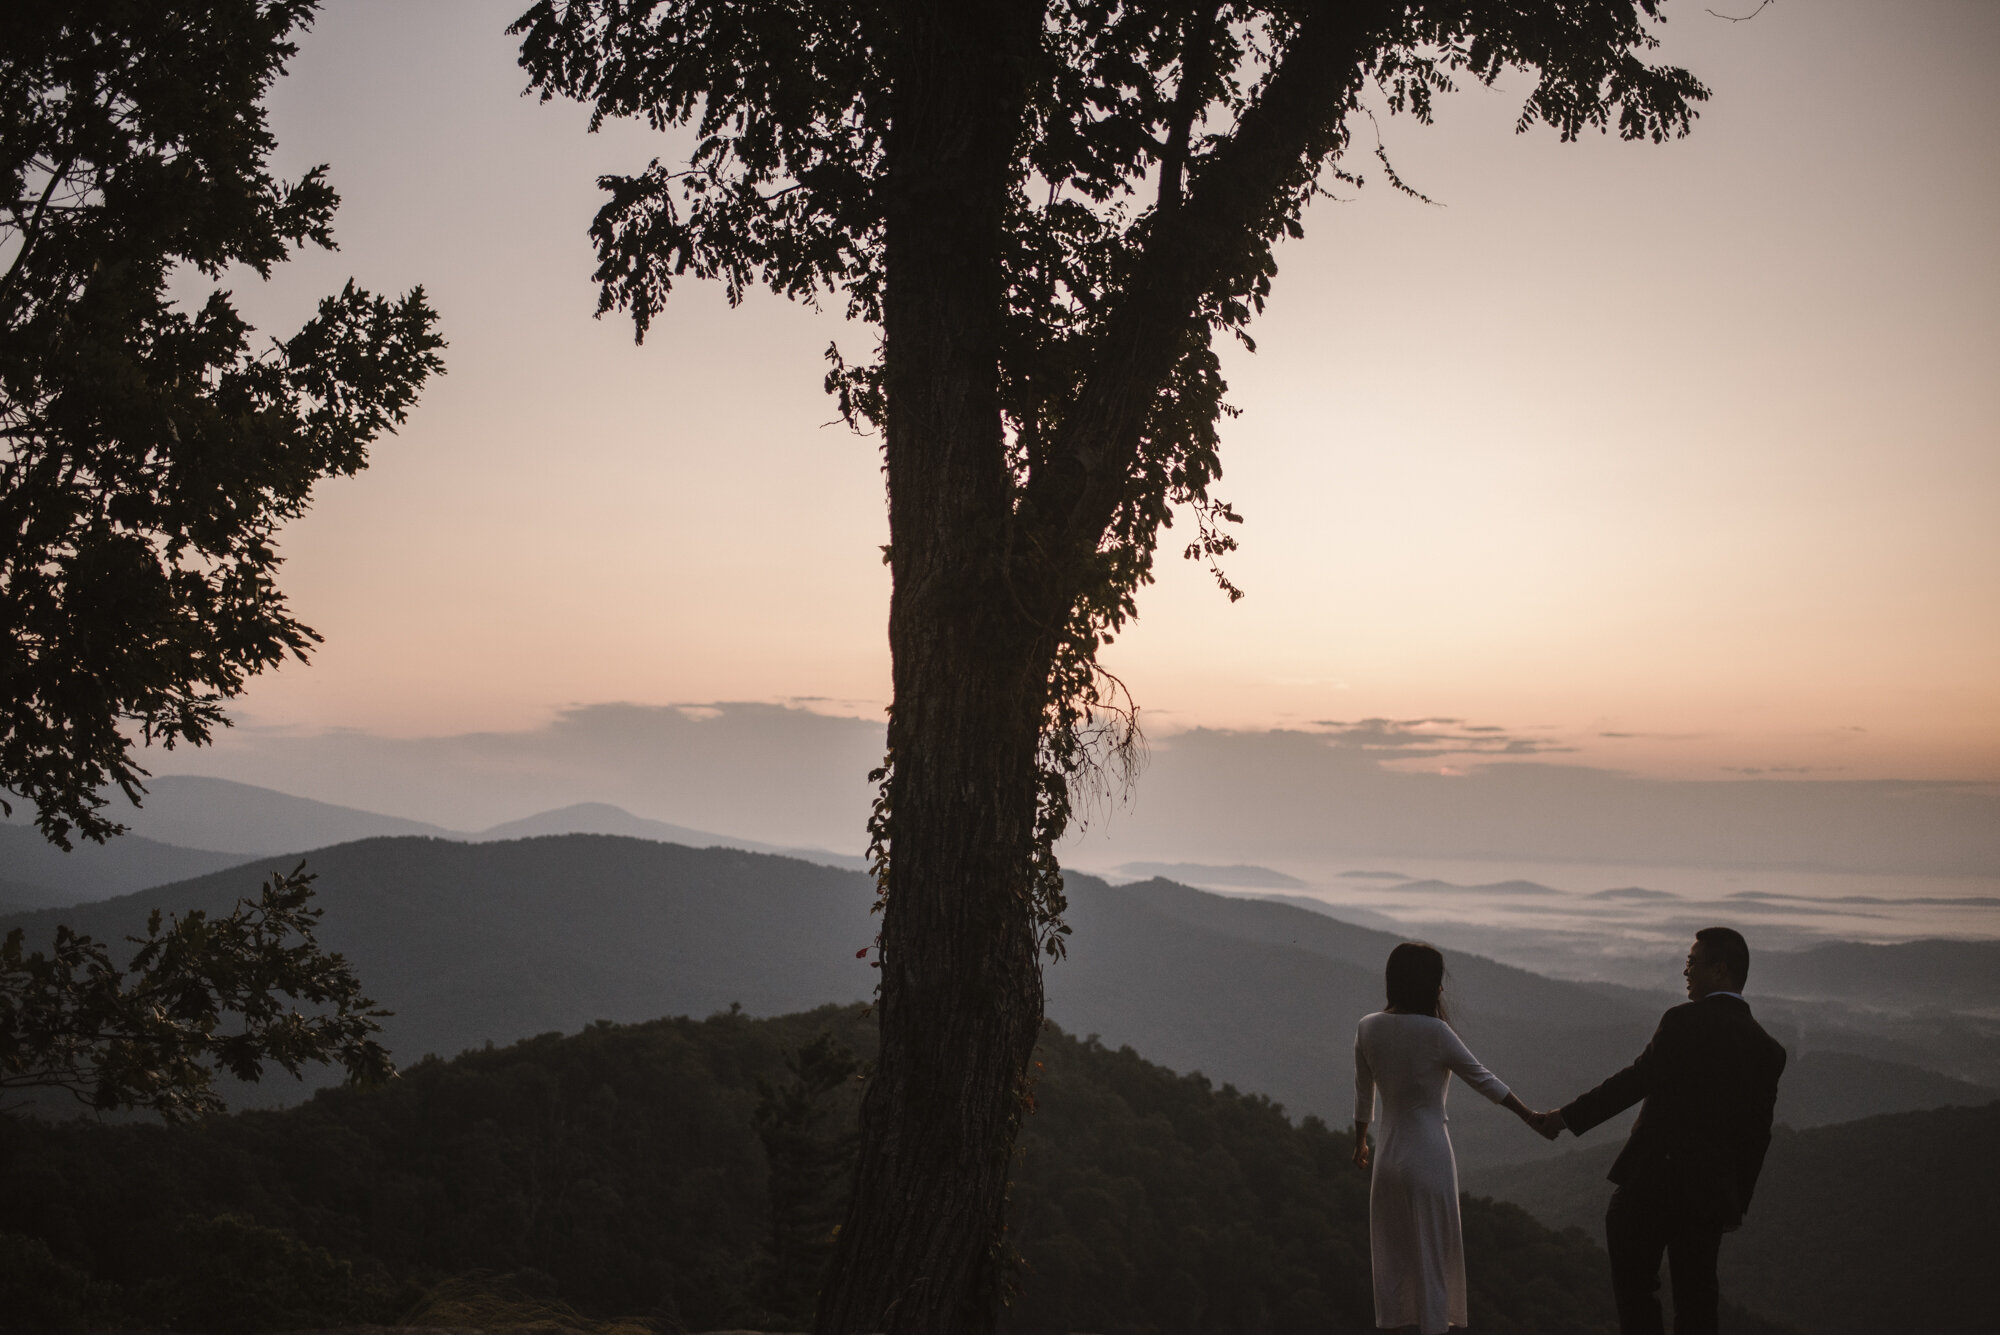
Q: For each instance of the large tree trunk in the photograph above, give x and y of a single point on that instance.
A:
(961, 999)
(961, 996)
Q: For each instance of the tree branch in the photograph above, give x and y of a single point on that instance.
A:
(1278, 142)
(1742, 18)
(32, 226)
(1197, 68)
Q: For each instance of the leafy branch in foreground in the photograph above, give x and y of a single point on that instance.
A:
(152, 446)
(152, 1035)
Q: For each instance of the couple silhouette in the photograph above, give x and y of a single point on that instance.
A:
(1708, 1082)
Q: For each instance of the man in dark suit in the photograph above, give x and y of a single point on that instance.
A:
(1709, 1079)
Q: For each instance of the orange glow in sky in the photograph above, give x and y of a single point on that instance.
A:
(1683, 456)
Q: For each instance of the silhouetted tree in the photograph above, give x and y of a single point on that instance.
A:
(1048, 210)
(809, 1144)
(147, 453)
(204, 993)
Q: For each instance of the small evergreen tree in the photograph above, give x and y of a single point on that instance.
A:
(809, 1142)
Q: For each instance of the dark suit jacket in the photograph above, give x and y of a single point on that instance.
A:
(1710, 1082)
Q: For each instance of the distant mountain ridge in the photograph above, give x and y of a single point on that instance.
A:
(196, 812)
(25, 897)
(1907, 974)
(1942, 994)
(90, 871)
(193, 811)
(470, 942)
(603, 818)
(191, 825)
(1204, 873)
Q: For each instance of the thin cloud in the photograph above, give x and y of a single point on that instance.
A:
(1403, 738)
(1934, 901)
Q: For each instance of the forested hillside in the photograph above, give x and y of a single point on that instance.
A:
(1879, 1225)
(682, 1171)
(1912, 975)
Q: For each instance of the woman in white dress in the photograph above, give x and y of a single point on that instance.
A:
(1407, 1053)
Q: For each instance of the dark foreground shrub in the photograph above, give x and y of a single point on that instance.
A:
(229, 1276)
(39, 1295)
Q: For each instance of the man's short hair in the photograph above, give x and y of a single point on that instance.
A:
(1726, 946)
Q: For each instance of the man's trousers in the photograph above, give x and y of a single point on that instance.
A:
(1640, 1226)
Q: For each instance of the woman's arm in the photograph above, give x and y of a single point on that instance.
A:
(1460, 1059)
(1364, 1100)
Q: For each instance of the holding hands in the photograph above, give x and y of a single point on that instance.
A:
(1548, 1124)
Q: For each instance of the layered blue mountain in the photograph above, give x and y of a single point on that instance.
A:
(472, 943)
(36, 874)
(190, 825)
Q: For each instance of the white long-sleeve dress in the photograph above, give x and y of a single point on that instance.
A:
(1413, 1232)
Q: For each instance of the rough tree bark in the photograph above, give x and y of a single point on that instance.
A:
(961, 993)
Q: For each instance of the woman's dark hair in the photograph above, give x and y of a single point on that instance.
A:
(1416, 980)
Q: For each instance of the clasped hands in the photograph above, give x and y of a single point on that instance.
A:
(1548, 1124)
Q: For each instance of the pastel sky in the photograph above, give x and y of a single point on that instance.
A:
(1685, 457)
